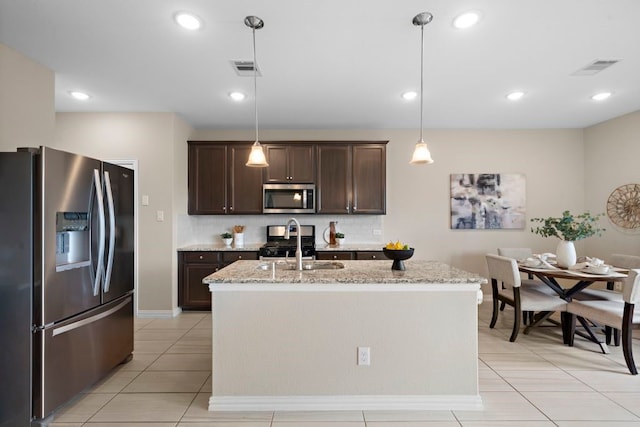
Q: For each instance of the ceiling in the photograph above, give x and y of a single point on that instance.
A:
(337, 64)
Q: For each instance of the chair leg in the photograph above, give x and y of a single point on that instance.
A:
(568, 327)
(516, 315)
(502, 305)
(494, 291)
(627, 345)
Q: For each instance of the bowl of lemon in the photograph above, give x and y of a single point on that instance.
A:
(398, 252)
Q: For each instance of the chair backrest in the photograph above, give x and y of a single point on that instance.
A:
(625, 261)
(515, 253)
(503, 269)
(631, 287)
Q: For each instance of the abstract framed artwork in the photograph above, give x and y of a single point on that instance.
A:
(485, 201)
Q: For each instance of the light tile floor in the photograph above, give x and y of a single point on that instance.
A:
(534, 382)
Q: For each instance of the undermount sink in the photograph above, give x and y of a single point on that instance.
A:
(308, 265)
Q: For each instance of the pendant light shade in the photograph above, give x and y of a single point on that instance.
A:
(421, 154)
(257, 158)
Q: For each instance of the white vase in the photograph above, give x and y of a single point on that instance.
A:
(227, 241)
(566, 254)
(340, 241)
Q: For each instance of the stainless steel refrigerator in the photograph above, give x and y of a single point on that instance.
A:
(66, 278)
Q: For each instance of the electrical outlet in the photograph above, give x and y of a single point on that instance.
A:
(159, 216)
(618, 287)
(364, 356)
(145, 200)
(377, 232)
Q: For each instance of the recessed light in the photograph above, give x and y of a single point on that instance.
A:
(410, 95)
(187, 20)
(79, 95)
(466, 20)
(515, 95)
(237, 96)
(601, 96)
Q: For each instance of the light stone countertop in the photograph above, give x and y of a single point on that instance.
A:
(320, 247)
(355, 272)
(211, 247)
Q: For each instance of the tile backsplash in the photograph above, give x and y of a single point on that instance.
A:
(204, 229)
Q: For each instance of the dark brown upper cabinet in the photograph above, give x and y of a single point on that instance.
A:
(219, 182)
(290, 163)
(351, 178)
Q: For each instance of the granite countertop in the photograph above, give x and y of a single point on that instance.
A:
(355, 272)
(323, 247)
(206, 247)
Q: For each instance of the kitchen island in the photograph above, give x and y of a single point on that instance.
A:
(360, 337)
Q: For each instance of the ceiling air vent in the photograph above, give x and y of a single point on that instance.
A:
(595, 67)
(244, 68)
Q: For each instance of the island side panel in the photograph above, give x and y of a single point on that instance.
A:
(305, 343)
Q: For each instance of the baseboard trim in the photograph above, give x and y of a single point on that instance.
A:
(159, 314)
(349, 402)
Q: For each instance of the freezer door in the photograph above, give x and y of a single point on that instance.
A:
(120, 235)
(67, 198)
(80, 351)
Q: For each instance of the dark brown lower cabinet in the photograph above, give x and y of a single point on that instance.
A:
(195, 266)
(351, 255)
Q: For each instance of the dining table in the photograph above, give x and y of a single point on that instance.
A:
(573, 281)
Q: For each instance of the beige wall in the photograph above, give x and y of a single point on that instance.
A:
(553, 161)
(27, 116)
(612, 150)
(156, 140)
(418, 196)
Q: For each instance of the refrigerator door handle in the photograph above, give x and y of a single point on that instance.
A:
(112, 232)
(101, 232)
(89, 320)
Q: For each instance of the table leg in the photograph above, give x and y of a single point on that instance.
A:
(591, 336)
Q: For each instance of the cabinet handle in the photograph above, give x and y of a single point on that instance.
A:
(373, 257)
(335, 257)
(201, 257)
(224, 208)
(239, 256)
(231, 208)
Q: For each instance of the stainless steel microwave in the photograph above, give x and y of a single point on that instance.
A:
(288, 198)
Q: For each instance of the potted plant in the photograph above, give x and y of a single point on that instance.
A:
(568, 228)
(226, 238)
(339, 238)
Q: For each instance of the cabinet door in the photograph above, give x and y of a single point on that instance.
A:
(207, 179)
(245, 183)
(369, 179)
(196, 294)
(334, 179)
(302, 163)
(278, 168)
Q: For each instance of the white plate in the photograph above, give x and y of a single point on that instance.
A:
(589, 271)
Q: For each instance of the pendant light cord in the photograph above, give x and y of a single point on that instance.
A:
(255, 82)
(421, 78)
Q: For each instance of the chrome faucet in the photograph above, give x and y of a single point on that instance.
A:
(287, 235)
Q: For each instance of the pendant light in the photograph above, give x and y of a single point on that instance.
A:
(421, 154)
(256, 157)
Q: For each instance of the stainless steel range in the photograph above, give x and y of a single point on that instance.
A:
(279, 247)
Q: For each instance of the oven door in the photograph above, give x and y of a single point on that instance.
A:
(288, 198)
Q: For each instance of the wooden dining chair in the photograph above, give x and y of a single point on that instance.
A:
(506, 287)
(617, 260)
(616, 314)
(520, 254)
